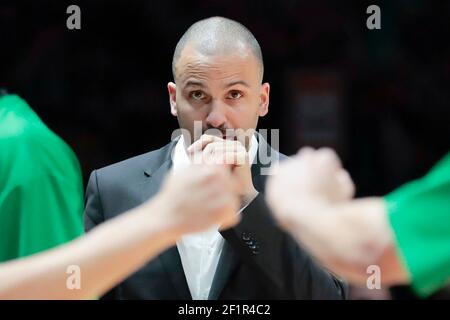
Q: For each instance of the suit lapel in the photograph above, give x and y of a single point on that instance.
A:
(229, 259)
(227, 264)
(171, 261)
(155, 173)
(261, 167)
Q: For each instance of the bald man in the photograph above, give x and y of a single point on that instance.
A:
(217, 96)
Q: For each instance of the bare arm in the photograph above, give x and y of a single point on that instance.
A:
(117, 248)
(311, 197)
(351, 236)
(105, 256)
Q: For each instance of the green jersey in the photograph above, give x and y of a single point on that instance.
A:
(419, 214)
(41, 195)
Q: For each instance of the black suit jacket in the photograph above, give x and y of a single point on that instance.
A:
(258, 261)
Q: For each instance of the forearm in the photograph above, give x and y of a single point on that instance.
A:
(105, 256)
(353, 236)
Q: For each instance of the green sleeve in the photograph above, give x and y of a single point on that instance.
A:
(41, 196)
(419, 213)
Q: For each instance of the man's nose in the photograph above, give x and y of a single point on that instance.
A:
(217, 115)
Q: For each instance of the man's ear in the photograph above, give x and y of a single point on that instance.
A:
(264, 99)
(172, 89)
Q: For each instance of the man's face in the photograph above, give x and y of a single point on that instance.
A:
(222, 91)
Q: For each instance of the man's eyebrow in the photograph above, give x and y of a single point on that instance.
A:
(245, 84)
(194, 83)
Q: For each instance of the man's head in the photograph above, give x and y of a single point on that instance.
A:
(218, 69)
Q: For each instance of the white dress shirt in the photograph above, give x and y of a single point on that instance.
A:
(200, 252)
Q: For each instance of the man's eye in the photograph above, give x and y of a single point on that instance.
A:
(235, 95)
(197, 95)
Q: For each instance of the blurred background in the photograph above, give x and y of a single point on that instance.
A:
(380, 97)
